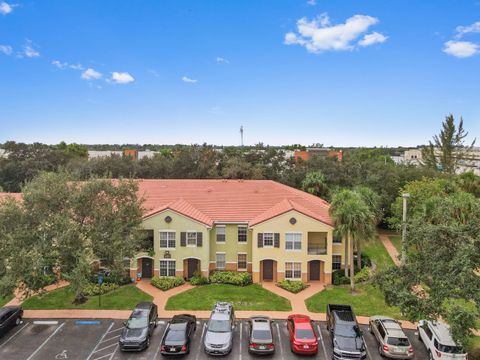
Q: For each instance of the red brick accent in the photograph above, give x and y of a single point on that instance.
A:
(327, 278)
(231, 267)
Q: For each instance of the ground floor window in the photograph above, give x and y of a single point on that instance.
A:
(336, 262)
(242, 262)
(293, 270)
(220, 261)
(167, 268)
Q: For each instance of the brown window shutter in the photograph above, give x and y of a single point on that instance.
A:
(260, 240)
(183, 239)
(199, 239)
(276, 240)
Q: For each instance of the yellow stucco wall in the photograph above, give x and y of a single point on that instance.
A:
(231, 247)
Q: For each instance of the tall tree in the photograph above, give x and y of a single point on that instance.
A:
(315, 183)
(448, 148)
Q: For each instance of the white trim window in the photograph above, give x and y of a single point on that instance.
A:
(242, 261)
(336, 262)
(220, 261)
(242, 233)
(293, 270)
(293, 241)
(167, 267)
(191, 238)
(268, 239)
(167, 239)
(220, 233)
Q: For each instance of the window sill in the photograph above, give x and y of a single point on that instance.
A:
(293, 250)
(191, 246)
(168, 248)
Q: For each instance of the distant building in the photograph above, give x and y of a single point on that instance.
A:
(133, 153)
(317, 151)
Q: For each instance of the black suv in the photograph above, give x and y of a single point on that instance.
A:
(10, 316)
(177, 337)
(139, 327)
(347, 339)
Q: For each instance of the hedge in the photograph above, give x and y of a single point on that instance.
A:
(166, 283)
(292, 286)
(199, 280)
(231, 277)
(95, 289)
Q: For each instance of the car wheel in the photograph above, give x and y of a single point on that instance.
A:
(18, 321)
(380, 351)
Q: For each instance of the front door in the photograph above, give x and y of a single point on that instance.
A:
(268, 270)
(315, 270)
(192, 268)
(147, 270)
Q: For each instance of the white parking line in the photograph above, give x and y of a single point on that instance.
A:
(366, 348)
(103, 356)
(11, 337)
(99, 341)
(45, 322)
(43, 344)
(240, 341)
(114, 337)
(279, 339)
(201, 342)
(160, 322)
(115, 330)
(321, 339)
(105, 347)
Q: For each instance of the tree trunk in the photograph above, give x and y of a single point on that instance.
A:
(352, 273)
(346, 254)
(359, 256)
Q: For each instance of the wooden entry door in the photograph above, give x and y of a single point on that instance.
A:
(315, 270)
(267, 270)
(147, 268)
(192, 265)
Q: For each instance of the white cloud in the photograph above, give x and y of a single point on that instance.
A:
(373, 38)
(461, 49)
(188, 80)
(312, 2)
(122, 77)
(76, 66)
(29, 51)
(6, 49)
(90, 74)
(462, 30)
(6, 8)
(59, 64)
(319, 35)
(222, 60)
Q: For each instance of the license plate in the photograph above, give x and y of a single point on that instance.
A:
(306, 346)
(262, 347)
(172, 349)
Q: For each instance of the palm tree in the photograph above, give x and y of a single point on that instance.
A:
(315, 183)
(353, 220)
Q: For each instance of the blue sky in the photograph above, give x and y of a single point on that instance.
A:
(341, 73)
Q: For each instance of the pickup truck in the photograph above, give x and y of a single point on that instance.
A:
(347, 338)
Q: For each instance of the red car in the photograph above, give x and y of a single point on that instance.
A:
(302, 335)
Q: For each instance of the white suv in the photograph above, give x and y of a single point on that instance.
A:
(438, 341)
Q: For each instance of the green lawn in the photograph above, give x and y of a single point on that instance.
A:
(397, 242)
(367, 301)
(252, 297)
(4, 300)
(124, 298)
(377, 253)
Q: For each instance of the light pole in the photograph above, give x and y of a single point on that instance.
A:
(405, 197)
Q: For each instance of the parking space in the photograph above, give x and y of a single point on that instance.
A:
(98, 340)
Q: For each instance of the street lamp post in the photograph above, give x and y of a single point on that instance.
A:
(405, 197)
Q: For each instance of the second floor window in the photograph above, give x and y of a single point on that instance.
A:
(167, 239)
(191, 239)
(242, 234)
(337, 239)
(293, 241)
(267, 239)
(220, 234)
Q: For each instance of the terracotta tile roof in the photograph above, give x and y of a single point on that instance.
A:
(209, 201)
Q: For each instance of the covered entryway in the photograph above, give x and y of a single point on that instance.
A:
(191, 267)
(268, 269)
(146, 267)
(315, 270)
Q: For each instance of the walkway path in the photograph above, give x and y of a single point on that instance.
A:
(392, 251)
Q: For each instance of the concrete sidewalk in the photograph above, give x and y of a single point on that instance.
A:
(392, 251)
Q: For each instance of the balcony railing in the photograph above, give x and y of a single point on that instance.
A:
(317, 250)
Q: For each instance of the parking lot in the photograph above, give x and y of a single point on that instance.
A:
(98, 339)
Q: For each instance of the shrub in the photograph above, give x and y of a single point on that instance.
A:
(231, 277)
(198, 280)
(166, 283)
(362, 275)
(292, 286)
(95, 289)
(474, 354)
(339, 278)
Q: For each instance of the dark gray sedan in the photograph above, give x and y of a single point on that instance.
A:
(260, 337)
(10, 316)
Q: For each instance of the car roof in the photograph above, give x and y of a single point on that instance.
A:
(220, 316)
(301, 321)
(182, 318)
(392, 327)
(178, 326)
(260, 323)
(442, 332)
(4, 310)
(144, 305)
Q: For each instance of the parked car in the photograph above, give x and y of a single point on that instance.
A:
(302, 335)
(178, 334)
(10, 316)
(394, 344)
(260, 336)
(139, 327)
(219, 334)
(347, 338)
(438, 341)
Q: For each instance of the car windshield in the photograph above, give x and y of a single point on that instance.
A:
(138, 320)
(398, 341)
(175, 335)
(261, 335)
(449, 349)
(345, 331)
(304, 334)
(219, 326)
